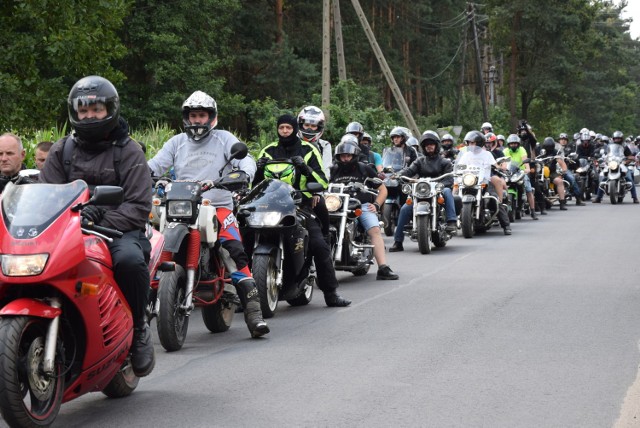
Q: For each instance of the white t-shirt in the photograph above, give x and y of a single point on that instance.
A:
(482, 159)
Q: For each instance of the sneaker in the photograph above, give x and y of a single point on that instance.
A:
(143, 357)
(385, 272)
(397, 246)
(507, 231)
(533, 215)
(334, 300)
(597, 201)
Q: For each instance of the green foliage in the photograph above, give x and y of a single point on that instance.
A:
(31, 137)
(153, 137)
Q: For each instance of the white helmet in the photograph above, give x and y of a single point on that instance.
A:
(314, 116)
(486, 127)
(199, 101)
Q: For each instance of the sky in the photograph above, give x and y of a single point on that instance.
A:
(633, 11)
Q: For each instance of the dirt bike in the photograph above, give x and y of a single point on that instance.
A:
(66, 328)
(273, 224)
(429, 216)
(200, 266)
(351, 247)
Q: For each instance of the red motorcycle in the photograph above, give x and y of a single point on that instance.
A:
(65, 326)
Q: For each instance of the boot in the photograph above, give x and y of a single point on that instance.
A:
(397, 246)
(252, 312)
(143, 357)
(635, 201)
(333, 300)
(579, 202)
(563, 205)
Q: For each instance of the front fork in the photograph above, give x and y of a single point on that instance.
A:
(48, 362)
(193, 260)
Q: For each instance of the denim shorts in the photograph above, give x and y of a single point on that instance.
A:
(527, 184)
(368, 219)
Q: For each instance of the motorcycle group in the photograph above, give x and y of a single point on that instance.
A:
(211, 227)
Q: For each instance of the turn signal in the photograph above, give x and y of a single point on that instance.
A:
(440, 200)
(206, 202)
(358, 212)
(409, 201)
(88, 289)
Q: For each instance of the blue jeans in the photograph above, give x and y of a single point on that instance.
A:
(575, 189)
(406, 214)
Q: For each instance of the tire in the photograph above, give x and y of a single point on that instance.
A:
(613, 192)
(437, 237)
(467, 220)
(264, 273)
(173, 322)
(512, 208)
(423, 227)
(217, 317)
(387, 218)
(123, 383)
(306, 296)
(27, 398)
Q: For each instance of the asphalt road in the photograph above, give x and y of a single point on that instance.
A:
(537, 329)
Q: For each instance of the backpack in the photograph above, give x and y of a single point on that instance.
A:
(70, 143)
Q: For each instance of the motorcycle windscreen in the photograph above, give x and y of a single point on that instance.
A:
(615, 151)
(27, 210)
(269, 203)
(393, 157)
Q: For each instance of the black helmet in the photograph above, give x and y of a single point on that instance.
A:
(88, 91)
(356, 129)
(430, 137)
(618, 135)
(348, 145)
(475, 137)
(549, 145)
(199, 101)
(513, 140)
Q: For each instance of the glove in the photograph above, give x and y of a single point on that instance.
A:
(299, 163)
(206, 185)
(262, 162)
(93, 213)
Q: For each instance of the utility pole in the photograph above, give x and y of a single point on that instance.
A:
(391, 81)
(465, 32)
(483, 97)
(337, 27)
(326, 55)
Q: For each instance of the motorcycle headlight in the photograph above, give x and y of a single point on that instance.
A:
(439, 187)
(406, 189)
(423, 190)
(613, 165)
(333, 202)
(469, 180)
(23, 265)
(179, 209)
(269, 218)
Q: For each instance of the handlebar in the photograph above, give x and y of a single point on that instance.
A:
(108, 232)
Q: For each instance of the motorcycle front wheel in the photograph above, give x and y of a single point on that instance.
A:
(387, 219)
(28, 397)
(172, 320)
(613, 192)
(264, 273)
(218, 316)
(423, 229)
(467, 220)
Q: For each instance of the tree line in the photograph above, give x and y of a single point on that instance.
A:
(560, 65)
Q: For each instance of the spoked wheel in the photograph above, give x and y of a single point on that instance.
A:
(218, 316)
(172, 320)
(28, 397)
(123, 383)
(264, 273)
(423, 229)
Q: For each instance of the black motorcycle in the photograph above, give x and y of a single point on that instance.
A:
(273, 223)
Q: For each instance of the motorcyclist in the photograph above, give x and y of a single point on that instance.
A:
(567, 148)
(501, 141)
(366, 156)
(429, 165)
(518, 155)
(584, 148)
(346, 169)
(564, 149)
(311, 122)
(399, 137)
(527, 138)
(448, 150)
(549, 147)
(99, 130)
(377, 159)
(477, 155)
(308, 163)
(486, 128)
(12, 154)
(201, 153)
(618, 138)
